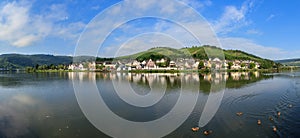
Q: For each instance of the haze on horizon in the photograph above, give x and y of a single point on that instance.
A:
(267, 29)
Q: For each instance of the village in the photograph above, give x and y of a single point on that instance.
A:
(165, 65)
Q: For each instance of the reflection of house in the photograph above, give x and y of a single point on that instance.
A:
(207, 77)
(235, 75)
(256, 74)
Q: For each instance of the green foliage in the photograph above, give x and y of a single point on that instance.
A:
(165, 64)
(243, 65)
(213, 66)
(230, 64)
(22, 61)
(30, 69)
(151, 55)
(252, 66)
(201, 65)
(104, 59)
(266, 65)
(100, 67)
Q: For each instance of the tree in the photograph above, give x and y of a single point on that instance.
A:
(52, 66)
(30, 69)
(230, 64)
(86, 65)
(252, 65)
(243, 65)
(61, 66)
(100, 67)
(37, 66)
(213, 66)
(266, 65)
(278, 65)
(201, 65)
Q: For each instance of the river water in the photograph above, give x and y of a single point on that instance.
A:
(46, 104)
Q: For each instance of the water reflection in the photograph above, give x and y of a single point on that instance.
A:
(233, 79)
(14, 118)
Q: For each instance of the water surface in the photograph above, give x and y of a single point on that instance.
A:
(44, 104)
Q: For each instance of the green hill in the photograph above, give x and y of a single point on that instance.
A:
(11, 61)
(198, 53)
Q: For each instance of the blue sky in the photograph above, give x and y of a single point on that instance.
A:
(265, 28)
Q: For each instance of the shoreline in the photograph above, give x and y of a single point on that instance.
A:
(273, 70)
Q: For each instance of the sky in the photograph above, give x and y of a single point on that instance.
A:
(269, 29)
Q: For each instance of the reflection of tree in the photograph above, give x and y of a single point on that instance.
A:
(233, 80)
(230, 83)
(173, 81)
(9, 82)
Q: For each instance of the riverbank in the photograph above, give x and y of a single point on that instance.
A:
(282, 69)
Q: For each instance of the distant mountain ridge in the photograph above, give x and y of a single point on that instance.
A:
(11, 61)
(290, 62)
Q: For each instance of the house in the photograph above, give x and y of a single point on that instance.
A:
(187, 65)
(236, 65)
(172, 64)
(143, 64)
(226, 65)
(136, 65)
(161, 61)
(92, 66)
(257, 65)
(71, 67)
(207, 64)
(196, 64)
(80, 67)
(110, 66)
(216, 60)
(150, 64)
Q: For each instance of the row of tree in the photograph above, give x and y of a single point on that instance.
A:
(47, 67)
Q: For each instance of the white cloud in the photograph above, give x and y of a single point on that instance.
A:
(25, 41)
(254, 32)
(198, 4)
(270, 17)
(141, 4)
(260, 50)
(233, 18)
(20, 27)
(69, 31)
